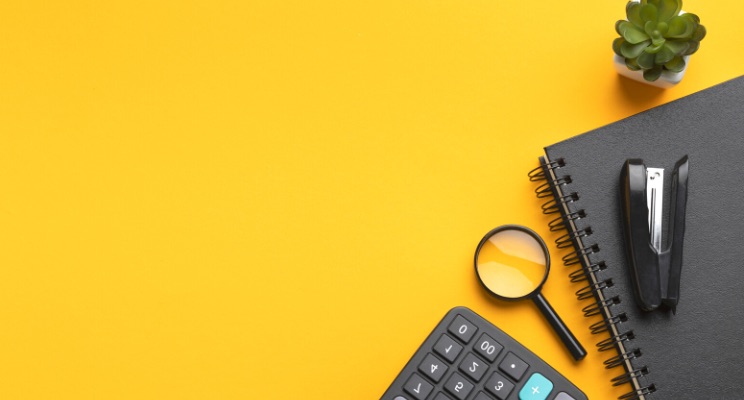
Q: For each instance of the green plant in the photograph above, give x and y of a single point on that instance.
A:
(656, 37)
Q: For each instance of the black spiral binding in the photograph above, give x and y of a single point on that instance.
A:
(581, 273)
(620, 358)
(554, 187)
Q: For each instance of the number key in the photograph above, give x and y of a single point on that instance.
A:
(462, 329)
(417, 387)
(488, 347)
(473, 367)
(458, 386)
(447, 348)
(499, 386)
(433, 368)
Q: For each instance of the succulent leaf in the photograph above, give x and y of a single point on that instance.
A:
(652, 74)
(649, 12)
(650, 27)
(680, 27)
(633, 11)
(669, 9)
(699, 33)
(664, 55)
(663, 28)
(616, 44)
(646, 60)
(693, 48)
(692, 16)
(657, 39)
(677, 46)
(629, 50)
(677, 64)
(654, 48)
(632, 64)
(630, 32)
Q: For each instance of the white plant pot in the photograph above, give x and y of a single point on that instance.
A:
(666, 80)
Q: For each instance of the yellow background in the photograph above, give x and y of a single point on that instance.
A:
(279, 200)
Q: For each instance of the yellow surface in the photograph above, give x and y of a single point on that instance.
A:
(279, 200)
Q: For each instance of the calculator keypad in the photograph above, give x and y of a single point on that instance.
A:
(433, 368)
(473, 367)
(513, 366)
(537, 388)
(499, 386)
(468, 358)
(462, 329)
(447, 348)
(488, 347)
(418, 387)
(458, 386)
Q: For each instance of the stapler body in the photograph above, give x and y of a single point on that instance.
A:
(655, 269)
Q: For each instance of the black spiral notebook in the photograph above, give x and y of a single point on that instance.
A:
(699, 352)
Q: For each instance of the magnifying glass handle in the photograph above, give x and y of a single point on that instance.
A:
(569, 340)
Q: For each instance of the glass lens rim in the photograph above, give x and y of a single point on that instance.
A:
(534, 236)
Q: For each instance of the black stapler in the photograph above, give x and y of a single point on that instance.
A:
(655, 271)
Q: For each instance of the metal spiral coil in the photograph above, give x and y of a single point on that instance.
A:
(576, 256)
(619, 359)
(582, 274)
(554, 206)
(629, 376)
(567, 240)
(604, 324)
(557, 224)
(587, 292)
(546, 189)
(609, 343)
(596, 308)
(539, 173)
(638, 394)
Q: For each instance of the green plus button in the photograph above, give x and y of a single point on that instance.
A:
(537, 387)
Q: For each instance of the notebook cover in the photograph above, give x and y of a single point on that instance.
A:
(699, 352)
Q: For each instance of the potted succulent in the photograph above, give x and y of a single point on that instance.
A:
(656, 41)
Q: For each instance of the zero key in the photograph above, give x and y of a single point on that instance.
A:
(462, 329)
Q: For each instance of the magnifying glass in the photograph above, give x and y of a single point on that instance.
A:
(512, 263)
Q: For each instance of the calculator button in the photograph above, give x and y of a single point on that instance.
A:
(462, 329)
(499, 386)
(513, 366)
(563, 396)
(537, 387)
(399, 398)
(482, 396)
(458, 386)
(447, 348)
(441, 396)
(433, 368)
(418, 387)
(488, 347)
(473, 367)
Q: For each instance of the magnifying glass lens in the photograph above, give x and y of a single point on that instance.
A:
(511, 264)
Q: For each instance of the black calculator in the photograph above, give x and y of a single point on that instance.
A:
(468, 358)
